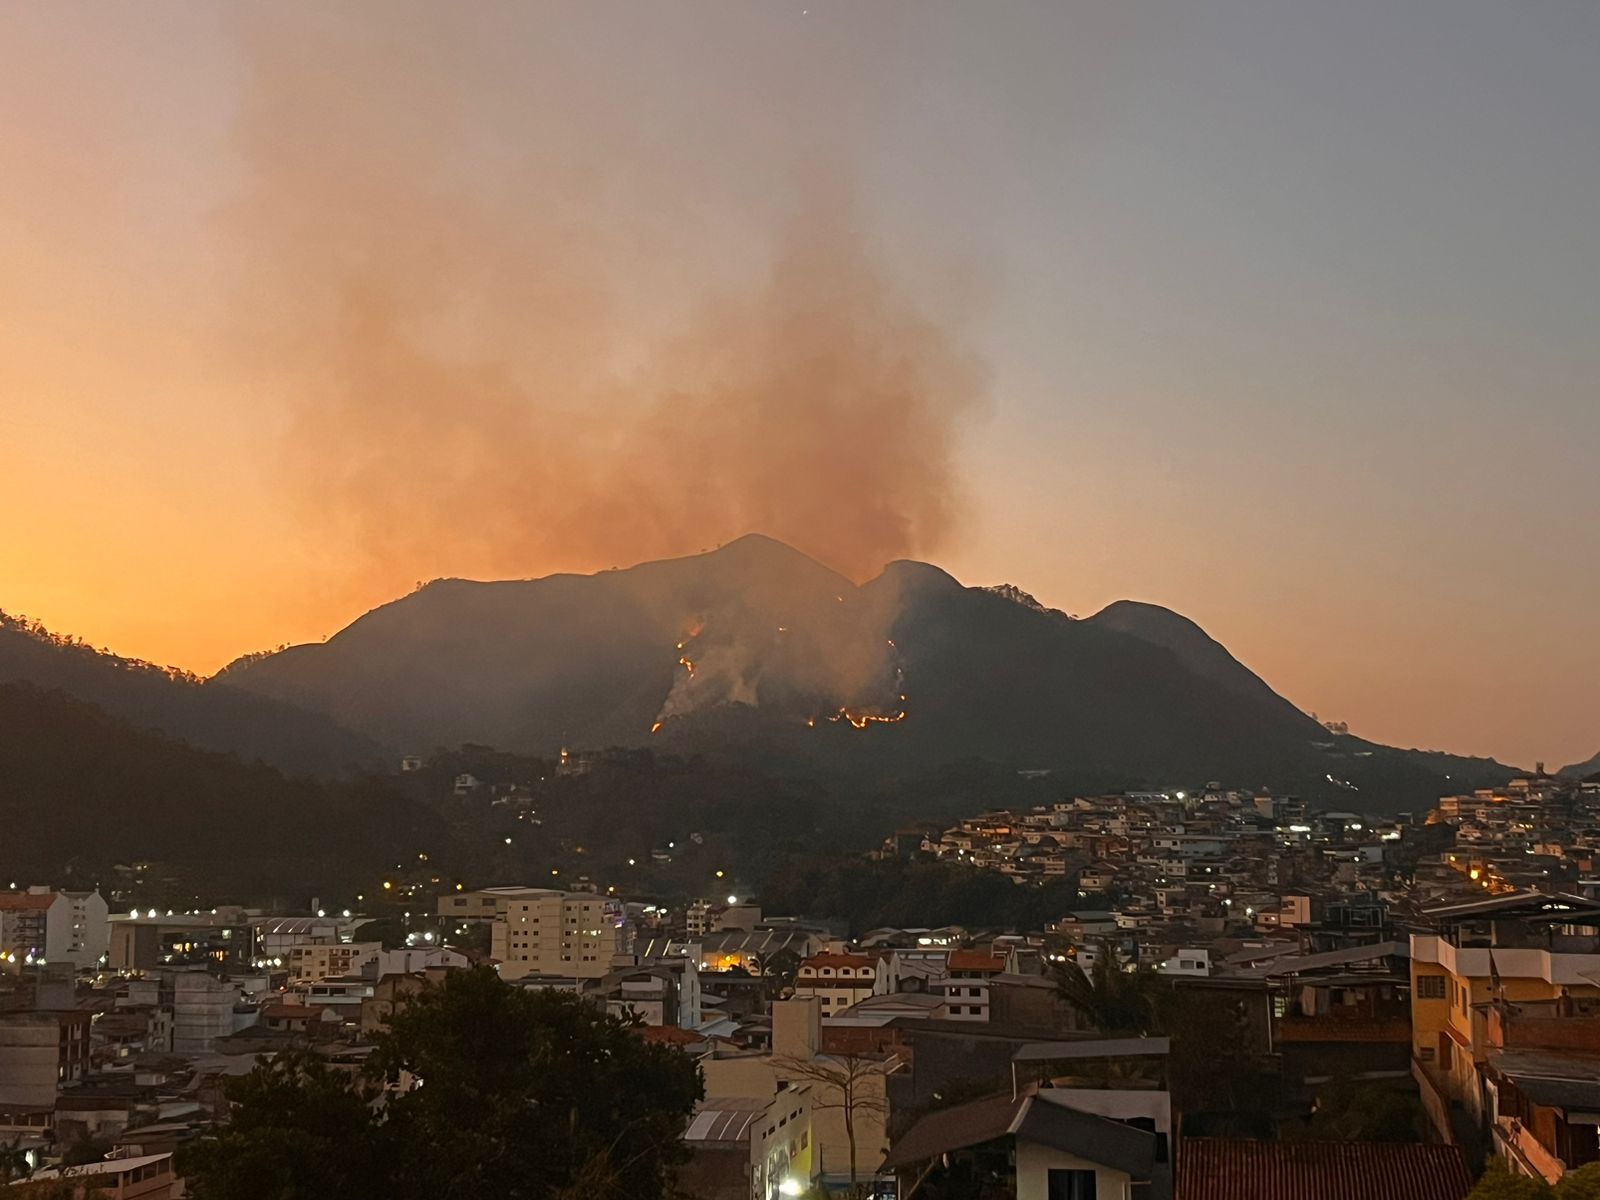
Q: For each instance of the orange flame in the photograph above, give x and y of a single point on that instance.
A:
(862, 720)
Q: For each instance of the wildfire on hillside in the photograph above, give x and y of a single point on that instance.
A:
(860, 720)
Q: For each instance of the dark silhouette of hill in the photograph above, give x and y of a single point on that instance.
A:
(1201, 653)
(528, 665)
(1582, 770)
(755, 650)
(82, 790)
(209, 714)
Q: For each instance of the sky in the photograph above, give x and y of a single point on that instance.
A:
(1281, 316)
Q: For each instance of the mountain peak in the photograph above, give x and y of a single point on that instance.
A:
(909, 573)
(761, 548)
(1198, 650)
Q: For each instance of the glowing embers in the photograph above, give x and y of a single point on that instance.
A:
(860, 720)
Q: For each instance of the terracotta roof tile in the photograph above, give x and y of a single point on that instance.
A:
(25, 901)
(975, 960)
(1240, 1169)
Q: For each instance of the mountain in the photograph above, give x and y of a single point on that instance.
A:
(1199, 652)
(587, 659)
(1583, 770)
(755, 650)
(81, 790)
(208, 714)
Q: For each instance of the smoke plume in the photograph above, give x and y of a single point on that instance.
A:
(562, 366)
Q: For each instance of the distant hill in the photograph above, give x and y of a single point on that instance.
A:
(211, 715)
(81, 790)
(756, 651)
(1583, 770)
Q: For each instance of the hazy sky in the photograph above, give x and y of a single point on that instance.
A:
(1282, 315)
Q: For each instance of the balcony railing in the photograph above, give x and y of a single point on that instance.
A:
(1529, 1149)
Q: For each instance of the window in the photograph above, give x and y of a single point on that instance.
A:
(1425, 1053)
(1430, 987)
(1068, 1184)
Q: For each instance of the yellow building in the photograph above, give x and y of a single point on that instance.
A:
(541, 931)
(1522, 947)
(797, 1058)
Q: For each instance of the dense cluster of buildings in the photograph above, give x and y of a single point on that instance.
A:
(1446, 965)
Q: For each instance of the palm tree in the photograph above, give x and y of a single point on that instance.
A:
(1107, 997)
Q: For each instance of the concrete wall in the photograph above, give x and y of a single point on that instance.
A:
(29, 1059)
(202, 1011)
(1033, 1173)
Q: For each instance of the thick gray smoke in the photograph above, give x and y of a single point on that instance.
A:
(498, 353)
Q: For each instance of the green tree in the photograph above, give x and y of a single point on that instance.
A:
(1582, 1184)
(299, 1128)
(781, 966)
(1109, 998)
(1500, 1182)
(530, 1093)
(475, 1089)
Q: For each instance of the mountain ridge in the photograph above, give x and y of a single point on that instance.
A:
(915, 666)
(210, 714)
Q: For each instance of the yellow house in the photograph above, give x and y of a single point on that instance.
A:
(797, 1058)
(1526, 946)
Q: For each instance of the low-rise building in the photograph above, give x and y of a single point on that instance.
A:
(837, 980)
(311, 962)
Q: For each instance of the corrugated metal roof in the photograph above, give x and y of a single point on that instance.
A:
(1294, 964)
(1513, 903)
(1136, 1047)
(1240, 1169)
(725, 1119)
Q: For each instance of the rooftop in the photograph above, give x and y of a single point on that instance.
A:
(1228, 1168)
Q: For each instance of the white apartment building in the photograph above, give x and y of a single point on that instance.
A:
(42, 924)
(549, 932)
(837, 980)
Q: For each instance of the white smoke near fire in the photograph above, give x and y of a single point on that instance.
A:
(816, 658)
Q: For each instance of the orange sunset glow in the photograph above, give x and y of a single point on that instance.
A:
(302, 306)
